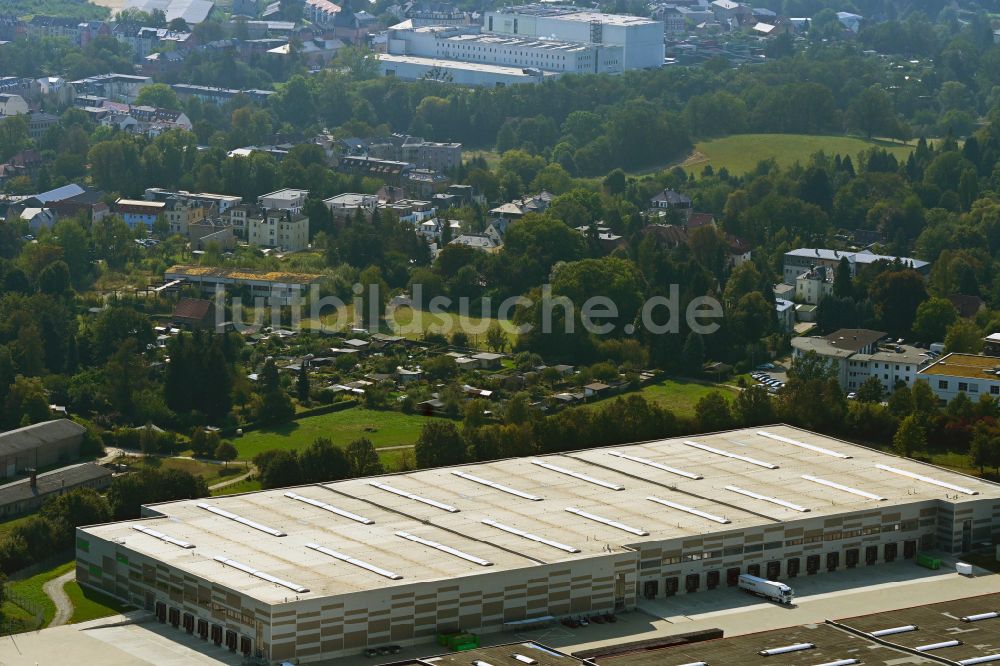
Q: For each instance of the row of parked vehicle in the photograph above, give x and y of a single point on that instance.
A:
(768, 381)
(383, 651)
(583, 620)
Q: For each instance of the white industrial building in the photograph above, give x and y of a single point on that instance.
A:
(413, 68)
(461, 44)
(325, 570)
(641, 39)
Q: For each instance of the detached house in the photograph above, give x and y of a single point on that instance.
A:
(280, 229)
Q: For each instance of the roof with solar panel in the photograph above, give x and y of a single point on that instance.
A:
(368, 533)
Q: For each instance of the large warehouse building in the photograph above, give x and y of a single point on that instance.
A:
(325, 570)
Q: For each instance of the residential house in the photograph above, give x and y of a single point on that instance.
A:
(136, 211)
(671, 200)
(12, 105)
(180, 213)
(813, 285)
(39, 123)
(481, 242)
(786, 314)
(284, 229)
(38, 219)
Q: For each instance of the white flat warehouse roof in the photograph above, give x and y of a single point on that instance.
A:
(370, 533)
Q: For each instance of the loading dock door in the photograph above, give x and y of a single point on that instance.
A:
(161, 611)
(650, 589)
(832, 561)
(733, 576)
(812, 564)
(890, 552)
(692, 582)
(852, 555)
(753, 569)
(245, 645)
(871, 554)
(203, 628)
(231, 638)
(670, 586)
(792, 567)
(217, 634)
(773, 569)
(909, 549)
(189, 623)
(712, 579)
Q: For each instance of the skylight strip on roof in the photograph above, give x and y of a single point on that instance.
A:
(350, 560)
(802, 445)
(260, 574)
(241, 520)
(445, 549)
(498, 486)
(653, 463)
(846, 489)
(765, 498)
(528, 535)
(687, 509)
(332, 509)
(607, 521)
(727, 454)
(162, 537)
(577, 475)
(927, 479)
(415, 498)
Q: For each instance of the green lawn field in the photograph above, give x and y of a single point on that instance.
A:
(680, 395)
(382, 428)
(30, 589)
(740, 153)
(91, 604)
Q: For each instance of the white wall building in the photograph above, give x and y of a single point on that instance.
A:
(963, 373)
(813, 285)
(800, 260)
(287, 199)
(856, 356)
(279, 228)
(320, 571)
(459, 43)
(413, 68)
(641, 39)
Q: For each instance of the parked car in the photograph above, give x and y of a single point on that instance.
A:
(852, 396)
(371, 652)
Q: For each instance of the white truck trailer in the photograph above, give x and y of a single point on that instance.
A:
(768, 589)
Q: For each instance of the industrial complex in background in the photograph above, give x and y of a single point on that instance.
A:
(327, 570)
(523, 44)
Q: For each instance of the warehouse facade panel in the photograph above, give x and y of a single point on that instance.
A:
(326, 570)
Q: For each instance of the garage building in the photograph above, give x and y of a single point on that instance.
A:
(326, 570)
(39, 445)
